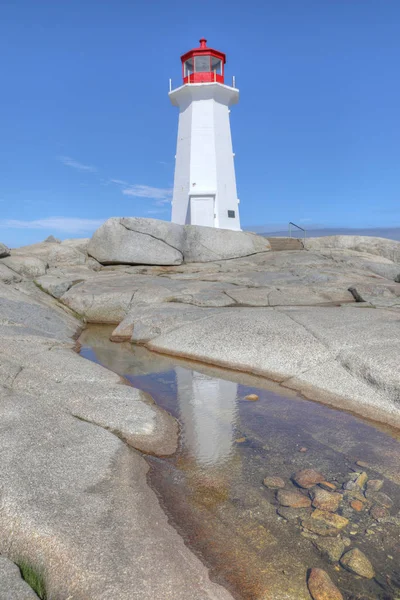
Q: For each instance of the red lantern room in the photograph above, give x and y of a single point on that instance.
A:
(203, 65)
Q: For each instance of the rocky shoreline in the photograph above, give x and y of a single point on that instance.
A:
(75, 504)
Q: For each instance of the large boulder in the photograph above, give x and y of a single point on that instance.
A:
(137, 241)
(4, 251)
(152, 242)
(204, 244)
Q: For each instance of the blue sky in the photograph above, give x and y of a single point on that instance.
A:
(87, 130)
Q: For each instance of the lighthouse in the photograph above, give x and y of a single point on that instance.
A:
(204, 183)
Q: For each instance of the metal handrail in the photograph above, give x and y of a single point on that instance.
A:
(298, 227)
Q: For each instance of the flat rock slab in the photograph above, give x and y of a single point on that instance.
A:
(254, 341)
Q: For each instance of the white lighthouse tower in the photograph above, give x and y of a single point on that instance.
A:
(205, 183)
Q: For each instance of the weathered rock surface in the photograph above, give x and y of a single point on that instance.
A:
(28, 266)
(4, 251)
(55, 286)
(332, 353)
(207, 244)
(153, 242)
(249, 313)
(12, 586)
(7, 275)
(137, 241)
(321, 586)
(356, 562)
(65, 255)
(77, 508)
(372, 245)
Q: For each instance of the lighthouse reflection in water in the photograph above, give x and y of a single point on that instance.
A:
(207, 412)
(206, 407)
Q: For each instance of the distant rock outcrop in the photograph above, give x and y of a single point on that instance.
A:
(4, 251)
(52, 240)
(372, 245)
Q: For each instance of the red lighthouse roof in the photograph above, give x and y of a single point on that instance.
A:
(203, 64)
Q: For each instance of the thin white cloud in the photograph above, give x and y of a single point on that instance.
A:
(74, 164)
(66, 224)
(118, 182)
(157, 211)
(163, 195)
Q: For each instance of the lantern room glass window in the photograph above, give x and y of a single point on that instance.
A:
(189, 67)
(216, 65)
(202, 63)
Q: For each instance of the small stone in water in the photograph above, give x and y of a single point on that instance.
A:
(292, 514)
(304, 449)
(307, 478)
(361, 480)
(362, 464)
(293, 499)
(325, 500)
(379, 498)
(355, 494)
(331, 548)
(357, 505)
(251, 397)
(330, 518)
(324, 523)
(326, 485)
(349, 485)
(378, 512)
(274, 483)
(240, 440)
(321, 586)
(356, 562)
(374, 485)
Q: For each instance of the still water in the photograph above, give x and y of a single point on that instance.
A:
(212, 488)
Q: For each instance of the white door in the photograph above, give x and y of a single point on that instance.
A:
(202, 210)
